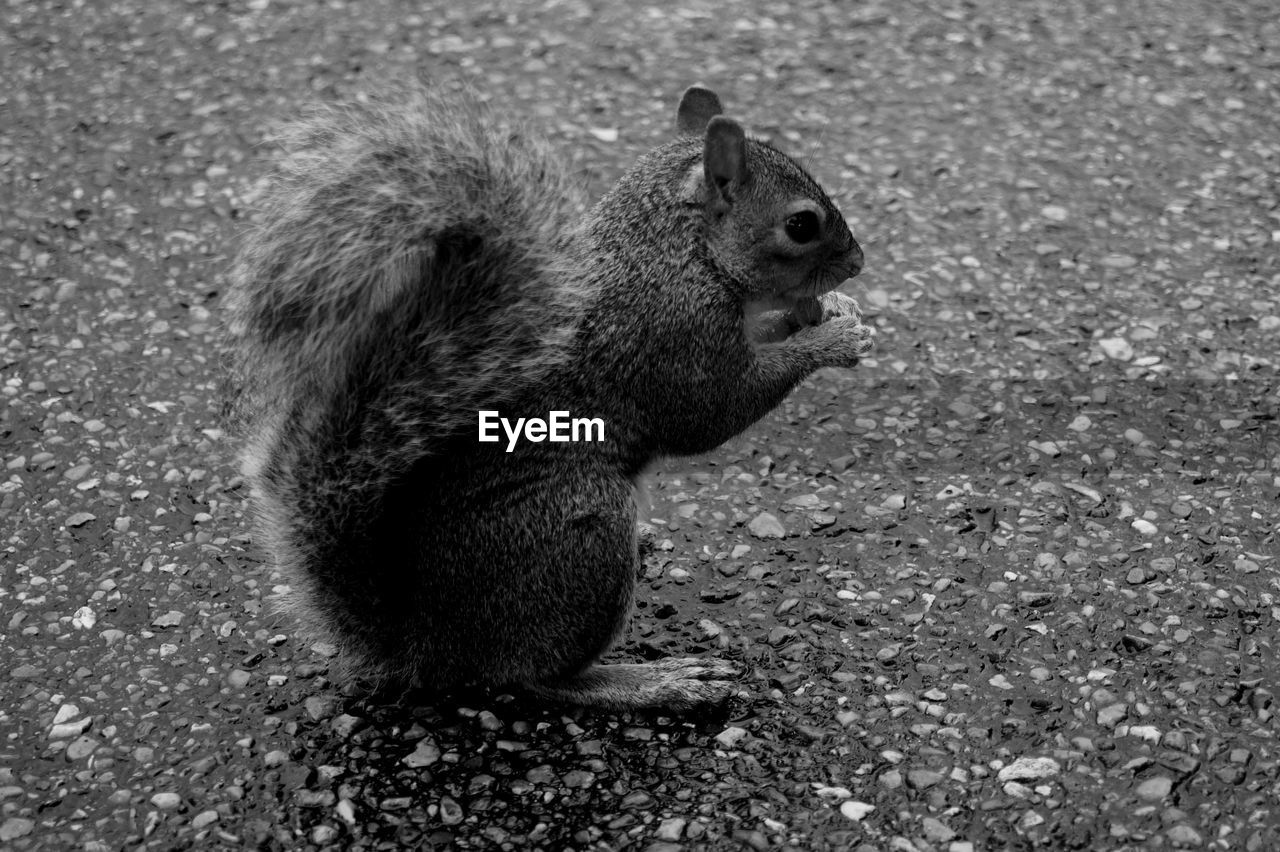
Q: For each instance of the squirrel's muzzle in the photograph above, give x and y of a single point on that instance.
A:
(851, 260)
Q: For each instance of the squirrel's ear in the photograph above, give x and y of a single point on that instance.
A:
(697, 107)
(724, 160)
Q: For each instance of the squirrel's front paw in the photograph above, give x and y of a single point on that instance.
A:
(840, 341)
(836, 304)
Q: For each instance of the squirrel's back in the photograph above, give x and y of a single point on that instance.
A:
(413, 212)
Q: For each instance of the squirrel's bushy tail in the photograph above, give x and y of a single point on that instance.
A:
(400, 277)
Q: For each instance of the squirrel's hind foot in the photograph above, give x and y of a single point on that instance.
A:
(677, 684)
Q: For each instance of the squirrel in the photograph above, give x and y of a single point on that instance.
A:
(417, 262)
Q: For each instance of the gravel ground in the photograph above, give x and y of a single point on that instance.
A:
(1010, 585)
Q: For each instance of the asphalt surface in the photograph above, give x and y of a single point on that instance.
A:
(1011, 584)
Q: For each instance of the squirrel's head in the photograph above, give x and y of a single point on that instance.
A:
(769, 225)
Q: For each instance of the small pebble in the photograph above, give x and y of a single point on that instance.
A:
(766, 526)
(450, 811)
(923, 779)
(68, 730)
(16, 827)
(1154, 789)
(344, 724)
(76, 473)
(856, 810)
(936, 830)
(81, 747)
(1116, 348)
(172, 618)
(66, 713)
(425, 754)
(580, 779)
(166, 801)
(1028, 768)
(1183, 764)
(320, 707)
(1150, 733)
(671, 828)
(731, 736)
(1112, 715)
(323, 835)
(889, 652)
(314, 798)
(837, 793)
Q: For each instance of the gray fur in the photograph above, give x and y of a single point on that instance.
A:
(415, 262)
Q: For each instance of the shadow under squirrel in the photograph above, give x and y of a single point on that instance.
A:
(416, 262)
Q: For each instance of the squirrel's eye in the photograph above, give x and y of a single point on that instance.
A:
(803, 227)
